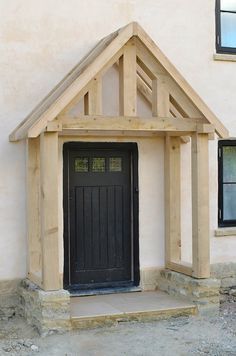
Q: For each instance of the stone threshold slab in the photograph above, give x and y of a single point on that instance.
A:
(100, 310)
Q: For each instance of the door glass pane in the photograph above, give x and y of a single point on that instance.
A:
(81, 164)
(229, 201)
(228, 30)
(228, 5)
(115, 164)
(229, 164)
(98, 164)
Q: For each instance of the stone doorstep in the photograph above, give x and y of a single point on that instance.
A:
(103, 310)
(109, 320)
(50, 311)
(82, 323)
(58, 312)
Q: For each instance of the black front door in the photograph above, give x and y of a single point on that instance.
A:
(99, 213)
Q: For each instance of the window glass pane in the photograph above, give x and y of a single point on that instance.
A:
(98, 164)
(229, 164)
(81, 164)
(228, 5)
(115, 164)
(229, 201)
(228, 30)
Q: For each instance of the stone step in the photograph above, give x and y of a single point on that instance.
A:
(101, 310)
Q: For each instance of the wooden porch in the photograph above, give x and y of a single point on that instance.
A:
(178, 115)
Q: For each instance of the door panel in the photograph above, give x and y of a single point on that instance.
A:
(100, 209)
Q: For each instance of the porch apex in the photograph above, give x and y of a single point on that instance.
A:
(150, 63)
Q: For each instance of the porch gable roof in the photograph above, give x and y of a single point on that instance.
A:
(87, 69)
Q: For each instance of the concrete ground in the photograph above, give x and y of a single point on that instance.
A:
(180, 336)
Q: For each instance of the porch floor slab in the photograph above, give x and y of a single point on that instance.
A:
(99, 310)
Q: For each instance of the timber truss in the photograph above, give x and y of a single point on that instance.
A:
(178, 114)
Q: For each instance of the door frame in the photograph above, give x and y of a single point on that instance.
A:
(132, 148)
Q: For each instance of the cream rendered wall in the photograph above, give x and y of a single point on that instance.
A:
(40, 41)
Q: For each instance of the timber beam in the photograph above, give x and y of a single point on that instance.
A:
(135, 124)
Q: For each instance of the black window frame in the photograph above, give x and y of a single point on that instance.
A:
(221, 221)
(219, 47)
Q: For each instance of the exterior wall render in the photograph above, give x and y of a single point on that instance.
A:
(48, 40)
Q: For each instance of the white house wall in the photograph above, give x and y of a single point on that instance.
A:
(42, 41)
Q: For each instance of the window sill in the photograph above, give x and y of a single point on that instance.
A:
(224, 57)
(225, 231)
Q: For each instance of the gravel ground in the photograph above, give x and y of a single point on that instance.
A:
(180, 336)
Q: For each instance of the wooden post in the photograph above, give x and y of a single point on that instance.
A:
(33, 211)
(172, 200)
(93, 99)
(200, 206)
(49, 210)
(161, 108)
(128, 80)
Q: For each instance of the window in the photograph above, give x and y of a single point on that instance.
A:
(226, 26)
(81, 164)
(227, 183)
(115, 164)
(98, 164)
